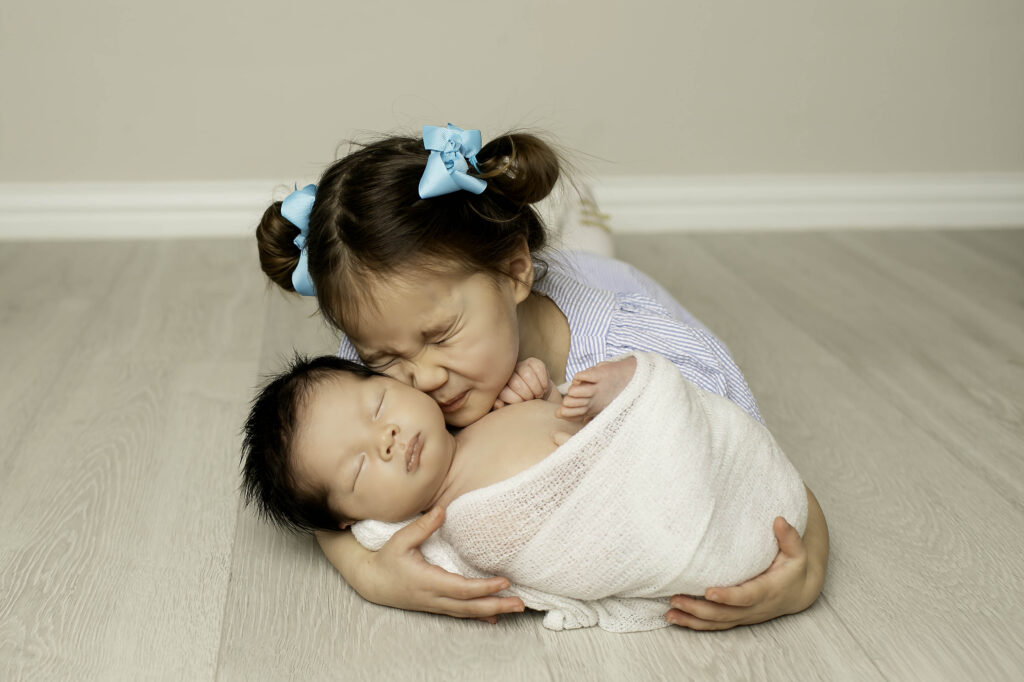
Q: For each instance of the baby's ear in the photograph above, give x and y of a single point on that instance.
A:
(344, 525)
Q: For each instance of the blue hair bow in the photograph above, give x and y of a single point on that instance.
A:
(446, 166)
(295, 209)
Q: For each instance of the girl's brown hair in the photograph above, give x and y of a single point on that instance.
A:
(368, 218)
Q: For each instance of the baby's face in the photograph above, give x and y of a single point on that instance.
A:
(379, 447)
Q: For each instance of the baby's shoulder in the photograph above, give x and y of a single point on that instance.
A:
(514, 438)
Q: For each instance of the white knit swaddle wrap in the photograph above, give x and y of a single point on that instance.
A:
(669, 490)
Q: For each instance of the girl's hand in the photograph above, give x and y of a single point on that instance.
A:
(529, 380)
(791, 584)
(399, 576)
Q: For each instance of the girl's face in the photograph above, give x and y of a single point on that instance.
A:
(380, 448)
(452, 336)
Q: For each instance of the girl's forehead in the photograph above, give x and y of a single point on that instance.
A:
(403, 302)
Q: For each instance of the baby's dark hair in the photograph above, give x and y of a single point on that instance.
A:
(269, 482)
(368, 218)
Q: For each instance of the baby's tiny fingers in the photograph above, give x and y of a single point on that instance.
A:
(517, 384)
(573, 401)
(508, 396)
(582, 390)
(538, 386)
(589, 375)
(560, 437)
(571, 413)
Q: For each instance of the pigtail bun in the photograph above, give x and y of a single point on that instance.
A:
(520, 167)
(275, 237)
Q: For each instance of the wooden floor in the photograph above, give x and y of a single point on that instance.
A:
(890, 366)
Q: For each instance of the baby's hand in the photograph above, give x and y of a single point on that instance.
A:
(595, 387)
(560, 438)
(529, 380)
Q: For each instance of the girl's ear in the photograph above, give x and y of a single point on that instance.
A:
(520, 268)
(344, 525)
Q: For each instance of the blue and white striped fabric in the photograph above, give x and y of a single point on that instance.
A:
(624, 310)
(613, 308)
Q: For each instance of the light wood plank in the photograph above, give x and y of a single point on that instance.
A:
(118, 503)
(889, 366)
(923, 548)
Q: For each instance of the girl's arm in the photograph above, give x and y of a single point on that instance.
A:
(791, 584)
(399, 576)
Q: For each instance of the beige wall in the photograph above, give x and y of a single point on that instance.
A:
(207, 90)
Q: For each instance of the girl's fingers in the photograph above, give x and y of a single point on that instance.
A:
(485, 607)
(790, 542)
(709, 612)
(573, 401)
(706, 610)
(417, 532)
(446, 585)
(685, 620)
(747, 594)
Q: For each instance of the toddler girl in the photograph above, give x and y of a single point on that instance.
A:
(428, 255)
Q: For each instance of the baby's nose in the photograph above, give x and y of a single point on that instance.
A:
(387, 441)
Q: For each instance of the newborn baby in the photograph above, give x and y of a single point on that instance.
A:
(669, 490)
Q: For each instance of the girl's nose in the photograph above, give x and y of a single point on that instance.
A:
(428, 377)
(387, 441)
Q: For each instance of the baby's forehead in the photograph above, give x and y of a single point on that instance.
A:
(331, 403)
(343, 390)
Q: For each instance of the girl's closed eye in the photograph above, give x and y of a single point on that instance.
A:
(448, 334)
(380, 406)
(380, 364)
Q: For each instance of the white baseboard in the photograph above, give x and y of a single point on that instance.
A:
(133, 210)
(680, 204)
(635, 204)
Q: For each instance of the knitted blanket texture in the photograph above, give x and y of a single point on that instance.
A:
(669, 490)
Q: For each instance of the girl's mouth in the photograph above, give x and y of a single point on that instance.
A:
(455, 403)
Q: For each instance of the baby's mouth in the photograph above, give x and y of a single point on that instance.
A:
(412, 454)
